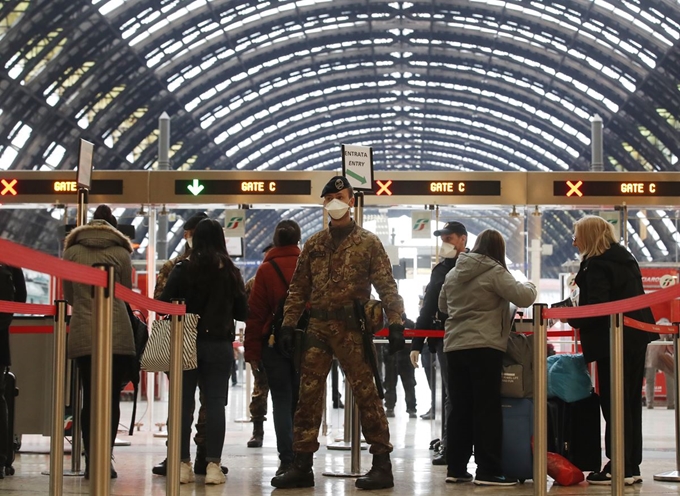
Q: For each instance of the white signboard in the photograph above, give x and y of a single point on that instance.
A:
(357, 166)
(235, 223)
(421, 224)
(84, 174)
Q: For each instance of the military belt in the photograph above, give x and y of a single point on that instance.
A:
(339, 314)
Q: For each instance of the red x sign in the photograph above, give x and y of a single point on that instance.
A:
(384, 188)
(9, 187)
(574, 188)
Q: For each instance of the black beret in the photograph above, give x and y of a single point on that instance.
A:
(335, 185)
(193, 221)
(453, 227)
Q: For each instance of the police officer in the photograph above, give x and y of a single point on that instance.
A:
(336, 267)
(454, 239)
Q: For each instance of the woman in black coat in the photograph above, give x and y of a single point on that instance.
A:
(609, 272)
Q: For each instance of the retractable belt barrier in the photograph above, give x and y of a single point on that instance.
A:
(102, 278)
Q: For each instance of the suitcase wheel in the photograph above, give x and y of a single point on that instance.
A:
(9, 470)
(522, 481)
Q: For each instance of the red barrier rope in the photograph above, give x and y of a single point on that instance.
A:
(20, 256)
(643, 326)
(612, 307)
(126, 294)
(26, 308)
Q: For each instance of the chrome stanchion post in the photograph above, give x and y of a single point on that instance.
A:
(99, 451)
(540, 468)
(617, 427)
(175, 404)
(355, 466)
(674, 475)
(343, 443)
(58, 388)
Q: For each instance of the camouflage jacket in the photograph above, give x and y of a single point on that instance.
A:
(330, 279)
(164, 273)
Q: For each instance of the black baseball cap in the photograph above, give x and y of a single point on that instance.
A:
(335, 185)
(453, 227)
(193, 221)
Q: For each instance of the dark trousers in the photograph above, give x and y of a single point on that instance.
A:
(476, 419)
(633, 374)
(4, 425)
(119, 370)
(215, 359)
(399, 366)
(284, 387)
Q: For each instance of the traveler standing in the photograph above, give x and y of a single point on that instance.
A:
(476, 295)
(261, 351)
(335, 271)
(99, 242)
(609, 272)
(213, 288)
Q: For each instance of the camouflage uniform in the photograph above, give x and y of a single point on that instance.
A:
(330, 279)
(258, 399)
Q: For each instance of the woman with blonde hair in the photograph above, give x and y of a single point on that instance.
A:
(476, 296)
(609, 272)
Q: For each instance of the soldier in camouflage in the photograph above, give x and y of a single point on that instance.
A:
(200, 462)
(336, 267)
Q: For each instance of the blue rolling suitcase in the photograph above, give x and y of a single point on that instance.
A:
(518, 428)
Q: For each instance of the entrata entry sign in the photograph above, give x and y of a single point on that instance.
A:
(575, 188)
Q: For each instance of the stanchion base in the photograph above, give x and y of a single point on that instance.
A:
(342, 474)
(672, 476)
(160, 434)
(343, 446)
(243, 421)
(69, 473)
(125, 443)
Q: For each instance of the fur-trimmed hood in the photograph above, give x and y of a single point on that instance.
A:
(98, 234)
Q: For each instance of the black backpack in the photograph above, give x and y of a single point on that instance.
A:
(277, 319)
(6, 293)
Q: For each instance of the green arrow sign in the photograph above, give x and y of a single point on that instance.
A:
(195, 188)
(356, 176)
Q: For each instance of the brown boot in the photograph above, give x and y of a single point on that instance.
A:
(258, 434)
(380, 475)
(300, 475)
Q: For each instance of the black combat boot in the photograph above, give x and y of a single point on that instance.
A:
(300, 474)
(380, 475)
(258, 434)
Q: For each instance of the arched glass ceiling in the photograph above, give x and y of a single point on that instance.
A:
(434, 85)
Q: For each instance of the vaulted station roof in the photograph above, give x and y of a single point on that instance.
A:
(483, 85)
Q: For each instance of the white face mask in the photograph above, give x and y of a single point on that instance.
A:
(190, 242)
(447, 250)
(336, 208)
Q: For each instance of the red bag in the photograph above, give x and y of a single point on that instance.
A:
(563, 471)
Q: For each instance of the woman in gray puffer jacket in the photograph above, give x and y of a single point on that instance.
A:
(476, 296)
(99, 242)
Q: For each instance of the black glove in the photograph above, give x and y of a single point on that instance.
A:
(396, 338)
(287, 341)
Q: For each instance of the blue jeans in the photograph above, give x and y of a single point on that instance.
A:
(215, 359)
(284, 386)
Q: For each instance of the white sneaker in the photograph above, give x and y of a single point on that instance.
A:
(186, 473)
(214, 474)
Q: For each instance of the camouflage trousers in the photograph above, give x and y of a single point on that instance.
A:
(258, 400)
(323, 340)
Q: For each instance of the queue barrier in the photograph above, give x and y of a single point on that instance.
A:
(105, 290)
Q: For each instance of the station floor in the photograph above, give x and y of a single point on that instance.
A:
(251, 469)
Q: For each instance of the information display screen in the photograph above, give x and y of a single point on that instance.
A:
(386, 187)
(577, 189)
(202, 187)
(18, 187)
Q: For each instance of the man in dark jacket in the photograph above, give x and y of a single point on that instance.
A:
(454, 239)
(14, 285)
(609, 272)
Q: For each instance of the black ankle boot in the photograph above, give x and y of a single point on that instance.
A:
(258, 434)
(299, 475)
(380, 475)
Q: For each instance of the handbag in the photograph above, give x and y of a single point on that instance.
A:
(156, 357)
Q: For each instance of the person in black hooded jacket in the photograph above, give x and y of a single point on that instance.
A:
(609, 272)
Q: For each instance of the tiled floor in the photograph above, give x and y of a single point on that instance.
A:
(250, 470)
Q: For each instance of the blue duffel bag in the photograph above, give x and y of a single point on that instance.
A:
(568, 377)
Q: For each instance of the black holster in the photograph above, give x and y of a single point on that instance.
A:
(369, 350)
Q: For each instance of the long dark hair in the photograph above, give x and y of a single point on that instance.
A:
(103, 212)
(287, 233)
(491, 243)
(209, 253)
